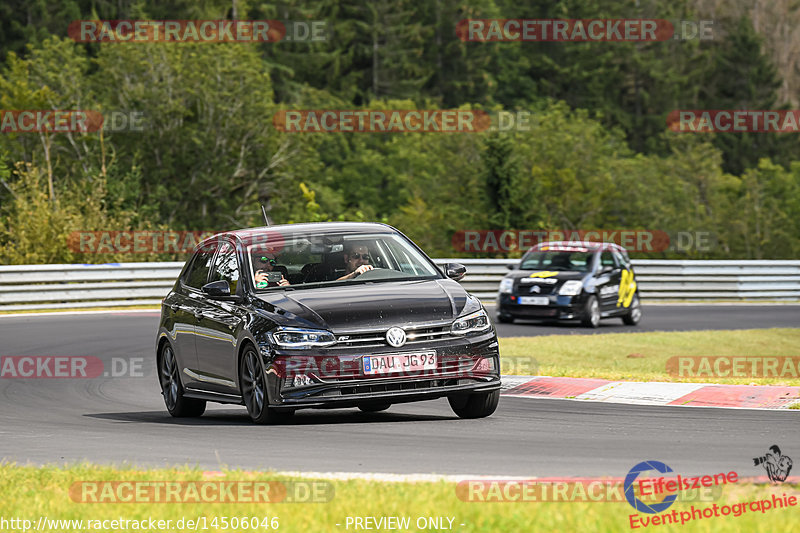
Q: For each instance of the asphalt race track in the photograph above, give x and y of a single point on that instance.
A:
(123, 420)
(670, 318)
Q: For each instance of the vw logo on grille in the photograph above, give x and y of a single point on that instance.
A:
(396, 337)
(536, 288)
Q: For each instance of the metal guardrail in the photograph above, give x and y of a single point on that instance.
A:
(125, 284)
(661, 279)
(75, 286)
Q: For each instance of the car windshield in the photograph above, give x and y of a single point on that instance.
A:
(306, 260)
(564, 259)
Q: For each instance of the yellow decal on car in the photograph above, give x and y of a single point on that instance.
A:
(627, 288)
(543, 274)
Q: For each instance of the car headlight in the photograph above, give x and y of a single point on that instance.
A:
(299, 338)
(472, 323)
(572, 287)
(506, 285)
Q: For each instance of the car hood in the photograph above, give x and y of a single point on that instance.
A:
(354, 307)
(561, 275)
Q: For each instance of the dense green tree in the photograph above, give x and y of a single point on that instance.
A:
(742, 77)
(594, 153)
(765, 224)
(502, 181)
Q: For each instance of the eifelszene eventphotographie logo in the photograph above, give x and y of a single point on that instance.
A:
(777, 465)
(630, 484)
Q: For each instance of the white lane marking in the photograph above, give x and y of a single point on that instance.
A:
(640, 393)
(688, 406)
(378, 476)
(658, 393)
(509, 382)
(68, 313)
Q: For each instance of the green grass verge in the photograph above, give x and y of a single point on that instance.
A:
(643, 356)
(29, 492)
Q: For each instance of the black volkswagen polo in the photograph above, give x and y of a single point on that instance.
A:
(585, 281)
(322, 315)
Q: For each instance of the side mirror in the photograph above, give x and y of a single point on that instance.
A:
(217, 289)
(511, 267)
(455, 271)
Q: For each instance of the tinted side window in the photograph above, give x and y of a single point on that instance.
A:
(197, 276)
(226, 267)
(606, 259)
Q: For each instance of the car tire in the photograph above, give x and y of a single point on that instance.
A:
(591, 313)
(253, 386)
(374, 407)
(505, 319)
(172, 390)
(477, 405)
(635, 314)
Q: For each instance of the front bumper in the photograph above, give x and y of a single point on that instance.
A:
(332, 396)
(558, 308)
(464, 365)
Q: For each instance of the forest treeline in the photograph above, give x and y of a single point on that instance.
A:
(596, 154)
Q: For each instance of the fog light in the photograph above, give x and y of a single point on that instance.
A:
(486, 364)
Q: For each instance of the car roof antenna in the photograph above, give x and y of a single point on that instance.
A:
(266, 218)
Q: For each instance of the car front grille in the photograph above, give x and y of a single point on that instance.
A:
(377, 338)
(535, 312)
(534, 289)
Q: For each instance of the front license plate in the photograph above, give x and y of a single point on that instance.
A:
(534, 300)
(390, 364)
